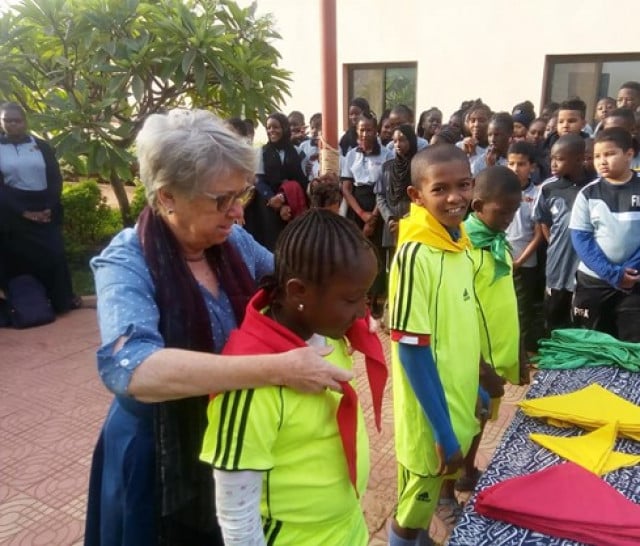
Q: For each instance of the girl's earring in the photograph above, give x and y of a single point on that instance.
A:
(301, 307)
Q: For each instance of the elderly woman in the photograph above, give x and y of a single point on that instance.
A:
(170, 291)
(30, 210)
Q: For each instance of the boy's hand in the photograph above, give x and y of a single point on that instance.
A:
(446, 467)
(629, 279)
(491, 381)
(393, 226)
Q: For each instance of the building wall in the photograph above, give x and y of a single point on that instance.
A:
(464, 48)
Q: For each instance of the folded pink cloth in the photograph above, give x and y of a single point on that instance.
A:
(564, 501)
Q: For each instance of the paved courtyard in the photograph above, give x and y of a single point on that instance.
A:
(52, 405)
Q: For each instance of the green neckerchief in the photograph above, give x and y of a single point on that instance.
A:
(482, 237)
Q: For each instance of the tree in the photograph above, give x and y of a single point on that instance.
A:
(90, 71)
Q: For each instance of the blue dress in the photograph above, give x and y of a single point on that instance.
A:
(121, 506)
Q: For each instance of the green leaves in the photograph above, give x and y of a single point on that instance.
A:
(94, 69)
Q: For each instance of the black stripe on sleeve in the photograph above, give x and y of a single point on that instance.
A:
(221, 424)
(273, 533)
(242, 428)
(410, 273)
(231, 429)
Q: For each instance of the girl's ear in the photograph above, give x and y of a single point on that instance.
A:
(295, 291)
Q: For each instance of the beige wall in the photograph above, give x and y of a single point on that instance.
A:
(493, 49)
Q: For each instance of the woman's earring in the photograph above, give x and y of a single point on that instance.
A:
(301, 307)
(169, 211)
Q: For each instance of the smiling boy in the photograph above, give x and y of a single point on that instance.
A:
(435, 338)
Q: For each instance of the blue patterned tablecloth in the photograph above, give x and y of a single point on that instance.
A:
(517, 455)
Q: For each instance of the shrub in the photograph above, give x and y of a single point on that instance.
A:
(138, 201)
(89, 222)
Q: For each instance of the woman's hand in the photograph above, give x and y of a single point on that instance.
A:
(285, 213)
(42, 217)
(276, 201)
(305, 370)
(365, 216)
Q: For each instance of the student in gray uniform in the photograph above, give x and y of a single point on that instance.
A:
(552, 211)
(524, 236)
(605, 231)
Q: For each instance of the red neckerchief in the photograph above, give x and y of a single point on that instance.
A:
(259, 334)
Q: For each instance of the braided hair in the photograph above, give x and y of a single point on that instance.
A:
(315, 246)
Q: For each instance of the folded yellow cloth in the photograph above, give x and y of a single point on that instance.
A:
(589, 408)
(593, 451)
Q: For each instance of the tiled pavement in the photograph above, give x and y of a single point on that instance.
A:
(52, 405)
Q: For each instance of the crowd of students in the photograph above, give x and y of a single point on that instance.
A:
(494, 229)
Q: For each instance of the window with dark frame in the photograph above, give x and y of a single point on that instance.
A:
(384, 85)
(590, 77)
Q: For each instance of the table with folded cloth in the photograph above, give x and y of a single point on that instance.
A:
(567, 470)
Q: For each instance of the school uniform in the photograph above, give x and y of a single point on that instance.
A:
(519, 234)
(365, 171)
(431, 303)
(605, 231)
(553, 209)
(295, 440)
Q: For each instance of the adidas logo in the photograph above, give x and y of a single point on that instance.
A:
(465, 295)
(424, 497)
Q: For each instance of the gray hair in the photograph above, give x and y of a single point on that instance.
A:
(181, 149)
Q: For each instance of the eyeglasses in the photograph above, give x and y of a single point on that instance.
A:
(224, 201)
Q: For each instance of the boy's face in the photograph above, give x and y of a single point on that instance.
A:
(564, 162)
(315, 128)
(617, 121)
(535, 135)
(628, 98)
(552, 125)
(588, 155)
(522, 166)
(519, 131)
(570, 122)
(611, 161)
(445, 190)
(497, 214)
(498, 138)
(603, 108)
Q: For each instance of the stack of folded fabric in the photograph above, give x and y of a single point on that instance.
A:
(589, 408)
(593, 451)
(565, 501)
(575, 348)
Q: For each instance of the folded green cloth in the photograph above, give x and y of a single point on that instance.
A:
(574, 348)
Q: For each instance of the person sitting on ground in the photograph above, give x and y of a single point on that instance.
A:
(31, 240)
(170, 291)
